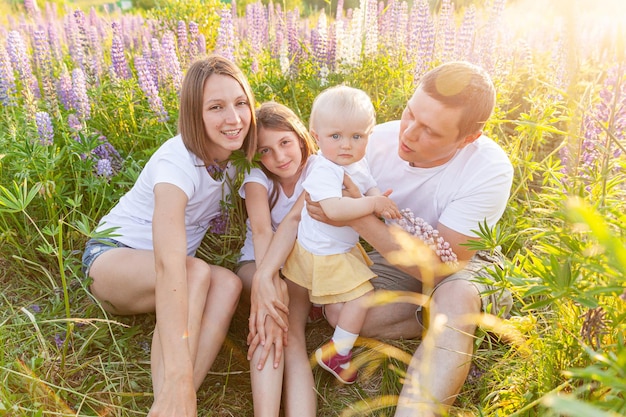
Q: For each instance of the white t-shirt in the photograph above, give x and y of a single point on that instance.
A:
(174, 164)
(278, 212)
(325, 180)
(473, 186)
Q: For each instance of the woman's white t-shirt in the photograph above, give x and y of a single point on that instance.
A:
(174, 164)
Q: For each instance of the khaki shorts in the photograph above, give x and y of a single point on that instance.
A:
(494, 301)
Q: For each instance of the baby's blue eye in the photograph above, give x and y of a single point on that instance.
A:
(335, 136)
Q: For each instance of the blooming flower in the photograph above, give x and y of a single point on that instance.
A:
(149, 86)
(7, 79)
(59, 340)
(44, 128)
(80, 101)
(118, 58)
(104, 168)
(225, 44)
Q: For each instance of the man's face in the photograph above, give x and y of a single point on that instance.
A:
(429, 132)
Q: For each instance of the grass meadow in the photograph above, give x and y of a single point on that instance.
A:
(88, 94)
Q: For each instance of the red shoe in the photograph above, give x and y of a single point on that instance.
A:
(338, 365)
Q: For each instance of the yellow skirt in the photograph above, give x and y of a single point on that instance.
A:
(330, 278)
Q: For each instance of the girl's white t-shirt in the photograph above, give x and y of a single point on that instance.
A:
(472, 187)
(325, 180)
(278, 212)
(174, 164)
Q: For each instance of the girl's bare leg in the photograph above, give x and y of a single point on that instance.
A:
(299, 397)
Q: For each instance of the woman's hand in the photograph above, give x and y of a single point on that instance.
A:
(267, 298)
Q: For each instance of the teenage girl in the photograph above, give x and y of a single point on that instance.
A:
(271, 193)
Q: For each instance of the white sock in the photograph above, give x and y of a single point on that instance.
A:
(344, 340)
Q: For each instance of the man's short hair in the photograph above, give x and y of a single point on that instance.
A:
(462, 85)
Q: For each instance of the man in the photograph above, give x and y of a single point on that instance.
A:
(440, 165)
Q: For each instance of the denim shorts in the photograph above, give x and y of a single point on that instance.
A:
(95, 248)
(477, 271)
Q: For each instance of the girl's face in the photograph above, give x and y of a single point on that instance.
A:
(281, 152)
(226, 114)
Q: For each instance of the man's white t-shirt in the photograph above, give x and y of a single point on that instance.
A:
(277, 213)
(174, 164)
(472, 187)
(324, 180)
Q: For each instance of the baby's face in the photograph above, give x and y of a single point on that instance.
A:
(342, 141)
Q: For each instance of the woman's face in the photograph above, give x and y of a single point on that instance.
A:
(226, 114)
(281, 152)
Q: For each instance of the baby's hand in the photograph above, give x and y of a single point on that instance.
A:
(385, 207)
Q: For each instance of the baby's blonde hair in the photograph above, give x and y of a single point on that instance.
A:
(342, 101)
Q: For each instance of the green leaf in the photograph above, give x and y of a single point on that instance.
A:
(19, 198)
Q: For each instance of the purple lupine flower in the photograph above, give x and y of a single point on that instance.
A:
(370, 46)
(7, 79)
(157, 60)
(443, 32)
(35, 308)
(64, 89)
(602, 124)
(76, 126)
(118, 58)
(558, 65)
(44, 128)
(149, 86)
(16, 48)
(80, 100)
(79, 39)
(53, 39)
(43, 62)
(170, 59)
(59, 339)
(201, 42)
(225, 44)
(487, 42)
(426, 40)
(183, 43)
(219, 223)
(106, 151)
(104, 168)
(97, 54)
(319, 41)
(465, 37)
(194, 47)
(32, 10)
(295, 48)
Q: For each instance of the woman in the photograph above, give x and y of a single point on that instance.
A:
(149, 265)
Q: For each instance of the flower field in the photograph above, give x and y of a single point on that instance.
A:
(86, 96)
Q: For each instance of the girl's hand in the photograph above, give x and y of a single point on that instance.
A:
(266, 298)
(275, 336)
